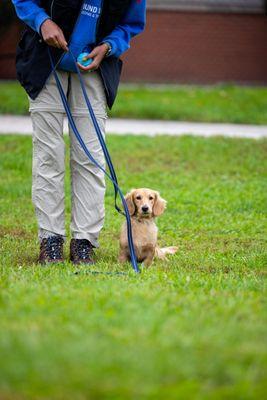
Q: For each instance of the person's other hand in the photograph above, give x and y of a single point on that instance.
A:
(97, 54)
(53, 35)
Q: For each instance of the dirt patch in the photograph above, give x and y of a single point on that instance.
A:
(15, 232)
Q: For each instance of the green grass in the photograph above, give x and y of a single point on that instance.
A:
(223, 103)
(192, 328)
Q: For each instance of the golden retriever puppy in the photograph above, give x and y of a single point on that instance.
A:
(144, 205)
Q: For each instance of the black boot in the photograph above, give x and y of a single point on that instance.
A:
(51, 250)
(81, 251)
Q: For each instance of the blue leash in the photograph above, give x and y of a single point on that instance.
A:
(112, 176)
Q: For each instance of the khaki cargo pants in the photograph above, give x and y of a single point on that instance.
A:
(87, 181)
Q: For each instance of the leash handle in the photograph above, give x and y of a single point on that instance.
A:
(112, 176)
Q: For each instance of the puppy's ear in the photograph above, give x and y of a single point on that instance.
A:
(159, 205)
(130, 202)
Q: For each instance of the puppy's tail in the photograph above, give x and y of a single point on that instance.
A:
(162, 252)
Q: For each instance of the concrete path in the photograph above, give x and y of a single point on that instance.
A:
(22, 125)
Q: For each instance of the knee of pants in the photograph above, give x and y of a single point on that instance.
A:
(79, 159)
(48, 142)
(49, 159)
(82, 161)
(88, 170)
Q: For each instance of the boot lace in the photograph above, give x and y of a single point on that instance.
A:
(53, 247)
(83, 248)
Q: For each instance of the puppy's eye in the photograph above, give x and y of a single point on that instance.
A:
(138, 197)
(151, 198)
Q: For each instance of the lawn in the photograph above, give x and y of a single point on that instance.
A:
(192, 328)
(222, 103)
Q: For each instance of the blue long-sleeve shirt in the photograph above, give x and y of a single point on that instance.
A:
(30, 12)
(133, 23)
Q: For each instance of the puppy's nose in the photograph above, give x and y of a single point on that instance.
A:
(145, 209)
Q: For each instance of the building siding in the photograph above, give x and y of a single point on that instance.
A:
(185, 47)
(241, 6)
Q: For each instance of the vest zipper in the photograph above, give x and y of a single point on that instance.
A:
(51, 9)
(77, 20)
(100, 71)
(98, 21)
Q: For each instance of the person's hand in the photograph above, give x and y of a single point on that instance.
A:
(53, 35)
(97, 54)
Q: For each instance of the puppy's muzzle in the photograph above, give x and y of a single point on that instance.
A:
(145, 209)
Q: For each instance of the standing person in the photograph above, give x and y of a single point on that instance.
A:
(51, 23)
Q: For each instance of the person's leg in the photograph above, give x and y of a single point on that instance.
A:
(47, 114)
(87, 180)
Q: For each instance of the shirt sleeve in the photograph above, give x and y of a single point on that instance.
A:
(30, 12)
(132, 24)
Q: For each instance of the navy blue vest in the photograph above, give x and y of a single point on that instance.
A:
(32, 61)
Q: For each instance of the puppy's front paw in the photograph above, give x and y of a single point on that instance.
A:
(123, 258)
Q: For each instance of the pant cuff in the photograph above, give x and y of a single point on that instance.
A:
(92, 239)
(44, 234)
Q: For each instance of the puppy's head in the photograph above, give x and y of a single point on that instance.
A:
(145, 203)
